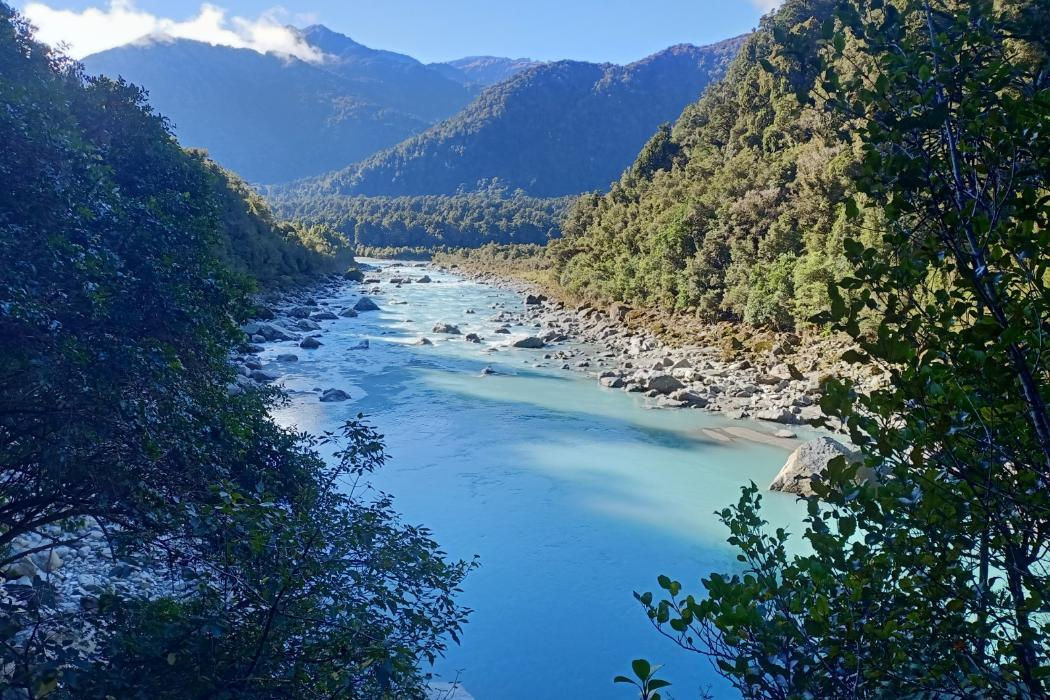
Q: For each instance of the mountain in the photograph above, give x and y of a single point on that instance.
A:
(735, 211)
(482, 71)
(275, 118)
(553, 129)
(390, 79)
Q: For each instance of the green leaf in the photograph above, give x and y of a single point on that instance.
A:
(641, 668)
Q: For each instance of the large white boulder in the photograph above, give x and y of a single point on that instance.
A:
(810, 459)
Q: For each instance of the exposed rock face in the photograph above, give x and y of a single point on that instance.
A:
(446, 328)
(809, 459)
(365, 304)
(532, 343)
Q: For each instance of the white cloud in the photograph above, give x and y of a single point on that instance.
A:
(96, 29)
(766, 5)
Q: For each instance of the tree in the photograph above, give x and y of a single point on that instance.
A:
(931, 582)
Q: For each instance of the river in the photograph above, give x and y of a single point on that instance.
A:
(572, 495)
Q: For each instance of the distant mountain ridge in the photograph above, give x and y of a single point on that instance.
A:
(483, 70)
(552, 129)
(274, 118)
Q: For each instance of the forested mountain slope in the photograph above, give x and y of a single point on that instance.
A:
(276, 118)
(554, 129)
(733, 212)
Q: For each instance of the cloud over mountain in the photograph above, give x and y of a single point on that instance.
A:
(96, 29)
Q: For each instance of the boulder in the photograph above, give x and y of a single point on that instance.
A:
(261, 375)
(362, 345)
(618, 312)
(300, 312)
(423, 341)
(778, 415)
(288, 358)
(473, 338)
(664, 384)
(265, 330)
(690, 398)
(613, 382)
(531, 343)
(305, 324)
(354, 275)
(447, 328)
(366, 304)
(310, 343)
(348, 313)
(534, 299)
(425, 279)
(333, 395)
(502, 331)
(810, 459)
(324, 316)
(22, 567)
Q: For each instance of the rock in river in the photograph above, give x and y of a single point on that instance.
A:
(810, 459)
(332, 395)
(366, 304)
(532, 343)
(310, 343)
(446, 328)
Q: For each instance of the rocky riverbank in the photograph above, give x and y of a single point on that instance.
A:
(740, 372)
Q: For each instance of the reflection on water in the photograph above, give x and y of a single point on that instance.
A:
(573, 495)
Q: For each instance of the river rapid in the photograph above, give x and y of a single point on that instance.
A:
(572, 495)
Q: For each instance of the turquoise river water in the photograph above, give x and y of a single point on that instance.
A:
(572, 495)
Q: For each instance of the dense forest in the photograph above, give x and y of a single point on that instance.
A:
(466, 219)
(554, 129)
(733, 211)
(118, 425)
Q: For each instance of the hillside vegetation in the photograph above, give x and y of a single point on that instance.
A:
(551, 130)
(468, 219)
(121, 432)
(274, 118)
(733, 212)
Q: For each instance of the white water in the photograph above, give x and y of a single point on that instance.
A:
(573, 495)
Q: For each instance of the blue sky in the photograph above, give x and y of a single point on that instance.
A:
(431, 30)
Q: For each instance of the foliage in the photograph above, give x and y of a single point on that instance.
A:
(273, 253)
(466, 219)
(552, 130)
(117, 320)
(738, 201)
(931, 582)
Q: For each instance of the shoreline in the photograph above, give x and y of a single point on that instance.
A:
(778, 379)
